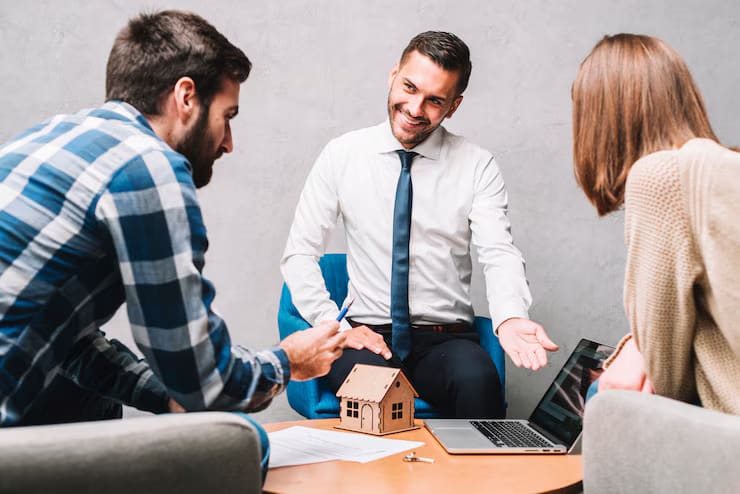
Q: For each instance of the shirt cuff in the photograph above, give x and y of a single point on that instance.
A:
(326, 316)
(502, 314)
(284, 363)
(331, 316)
(150, 394)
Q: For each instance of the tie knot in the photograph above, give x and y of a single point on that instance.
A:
(406, 157)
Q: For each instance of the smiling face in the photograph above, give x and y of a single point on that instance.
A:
(421, 95)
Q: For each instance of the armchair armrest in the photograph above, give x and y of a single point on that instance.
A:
(638, 442)
(213, 452)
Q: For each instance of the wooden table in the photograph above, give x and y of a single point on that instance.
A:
(448, 473)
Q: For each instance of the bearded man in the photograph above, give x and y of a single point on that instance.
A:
(99, 208)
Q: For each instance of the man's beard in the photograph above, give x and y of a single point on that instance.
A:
(416, 138)
(198, 147)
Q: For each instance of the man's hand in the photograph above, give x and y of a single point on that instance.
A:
(312, 351)
(627, 371)
(175, 407)
(525, 342)
(363, 337)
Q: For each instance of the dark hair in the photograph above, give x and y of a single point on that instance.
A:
(633, 95)
(154, 50)
(446, 50)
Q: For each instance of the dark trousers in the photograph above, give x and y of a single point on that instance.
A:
(63, 402)
(450, 371)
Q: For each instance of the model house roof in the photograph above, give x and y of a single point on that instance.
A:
(371, 383)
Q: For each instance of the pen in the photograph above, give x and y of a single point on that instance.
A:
(343, 312)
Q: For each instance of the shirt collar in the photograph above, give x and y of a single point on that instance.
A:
(429, 148)
(125, 111)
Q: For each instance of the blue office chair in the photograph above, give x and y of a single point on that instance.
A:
(313, 399)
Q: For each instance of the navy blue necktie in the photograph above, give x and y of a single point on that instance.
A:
(401, 332)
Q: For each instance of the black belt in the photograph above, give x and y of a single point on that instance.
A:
(455, 327)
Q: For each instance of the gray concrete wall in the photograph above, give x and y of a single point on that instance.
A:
(320, 69)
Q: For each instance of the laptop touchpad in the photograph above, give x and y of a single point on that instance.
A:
(466, 438)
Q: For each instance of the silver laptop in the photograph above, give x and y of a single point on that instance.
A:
(553, 428)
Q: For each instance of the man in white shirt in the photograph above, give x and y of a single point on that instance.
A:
(410, 267)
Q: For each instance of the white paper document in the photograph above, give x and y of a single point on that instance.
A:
(301, 445)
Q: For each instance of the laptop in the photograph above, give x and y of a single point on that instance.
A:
(553, 428)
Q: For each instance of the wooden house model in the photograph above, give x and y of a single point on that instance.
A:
(376, 400)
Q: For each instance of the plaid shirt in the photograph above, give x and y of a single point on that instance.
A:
(96, 210)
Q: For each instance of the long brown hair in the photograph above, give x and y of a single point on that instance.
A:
(633, 95)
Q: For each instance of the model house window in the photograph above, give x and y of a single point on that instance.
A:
(397, 411)
(352, 407)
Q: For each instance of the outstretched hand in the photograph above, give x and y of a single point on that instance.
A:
(525, 342)
(312, 351)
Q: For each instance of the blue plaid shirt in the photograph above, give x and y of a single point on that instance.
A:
(97, 210)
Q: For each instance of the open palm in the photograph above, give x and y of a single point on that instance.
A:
(525, 342)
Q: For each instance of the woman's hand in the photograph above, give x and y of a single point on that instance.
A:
(627, 371)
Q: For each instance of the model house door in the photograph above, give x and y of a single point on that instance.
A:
(366, 417)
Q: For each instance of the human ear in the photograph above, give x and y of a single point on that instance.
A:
(455, 105)
(186, 98)
(393, 74)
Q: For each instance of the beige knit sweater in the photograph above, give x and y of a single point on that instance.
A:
(682, 281)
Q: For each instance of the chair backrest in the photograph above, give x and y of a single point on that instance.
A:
(334, 270)
(639, 442)
(313, 399)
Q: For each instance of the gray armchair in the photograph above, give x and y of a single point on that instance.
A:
(637, 442)
(210, 452)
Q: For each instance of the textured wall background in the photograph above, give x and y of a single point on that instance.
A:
(320, 69)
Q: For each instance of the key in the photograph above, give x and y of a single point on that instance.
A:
(412, 457)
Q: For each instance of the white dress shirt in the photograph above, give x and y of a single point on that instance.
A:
(458, 198)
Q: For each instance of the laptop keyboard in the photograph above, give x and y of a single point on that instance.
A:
(510, 434)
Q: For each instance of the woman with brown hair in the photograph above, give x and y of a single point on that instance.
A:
(641, 137)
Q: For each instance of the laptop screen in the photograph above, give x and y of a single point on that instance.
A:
(560, 411)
